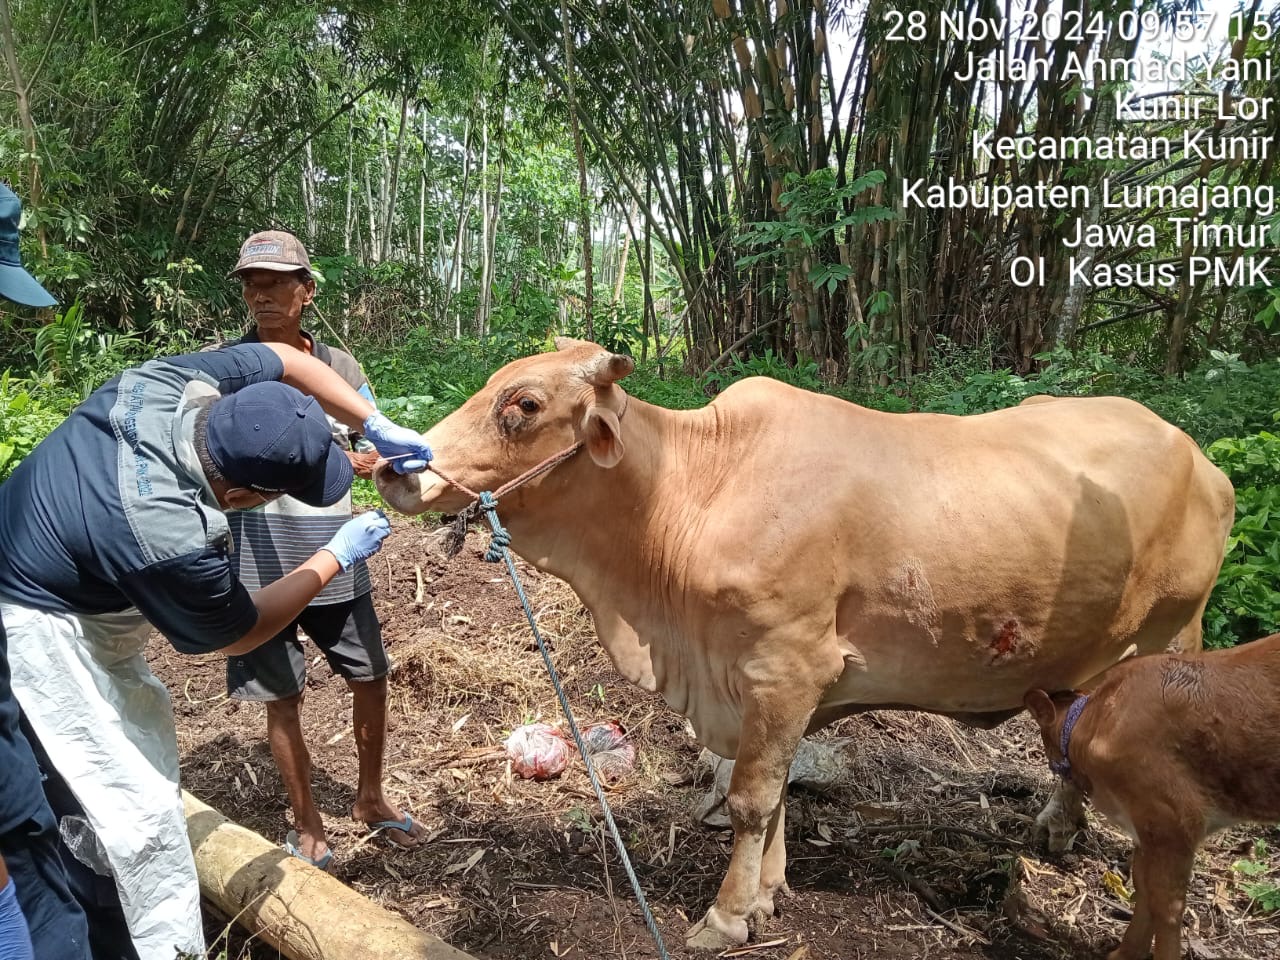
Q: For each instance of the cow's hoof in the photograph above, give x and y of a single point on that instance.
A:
(717, 932)
(766, 906)
(1056, 833)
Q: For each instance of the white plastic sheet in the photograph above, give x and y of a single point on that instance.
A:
(106, 723)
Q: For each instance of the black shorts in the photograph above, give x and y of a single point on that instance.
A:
(348, 634)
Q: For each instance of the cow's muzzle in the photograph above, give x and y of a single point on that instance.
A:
(408, 493)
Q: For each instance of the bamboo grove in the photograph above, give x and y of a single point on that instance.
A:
(729, 176)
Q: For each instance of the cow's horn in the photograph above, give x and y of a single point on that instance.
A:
(607, 368)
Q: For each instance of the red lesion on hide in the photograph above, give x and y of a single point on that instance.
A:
(1007, 638)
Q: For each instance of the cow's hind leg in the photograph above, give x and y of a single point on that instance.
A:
(1062, 818)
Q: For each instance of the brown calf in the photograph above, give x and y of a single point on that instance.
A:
(1171, 748)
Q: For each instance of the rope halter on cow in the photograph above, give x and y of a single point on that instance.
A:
(500, 539)
(458, 532)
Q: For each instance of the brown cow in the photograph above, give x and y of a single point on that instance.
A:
(1171, 749)
(781, 559)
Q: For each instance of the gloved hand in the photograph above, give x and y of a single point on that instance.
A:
(393, 441)
(15, 939)
(359, 538)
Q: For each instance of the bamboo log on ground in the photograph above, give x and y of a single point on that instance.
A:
(297, 909)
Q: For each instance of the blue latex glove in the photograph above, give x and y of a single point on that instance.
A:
(359, 538)
(15, 938)
(394, 441)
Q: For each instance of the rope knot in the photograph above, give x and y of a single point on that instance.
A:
(497, 544)
(501, 539)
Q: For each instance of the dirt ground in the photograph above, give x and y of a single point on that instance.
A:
(921, 850)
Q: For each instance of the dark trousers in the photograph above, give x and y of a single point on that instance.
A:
(59, 930)
(30, 843)
(94, 895)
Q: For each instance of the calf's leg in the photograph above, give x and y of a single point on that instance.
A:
(1137, 936)
(1169, 871)
(1162, 865)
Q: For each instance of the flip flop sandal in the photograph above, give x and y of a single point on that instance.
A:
(379, 827)
(291, 847)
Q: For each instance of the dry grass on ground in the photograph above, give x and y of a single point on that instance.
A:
(921, 850)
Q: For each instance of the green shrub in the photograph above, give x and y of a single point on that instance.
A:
(803, 374)
(666, 385)
(26, 417)
(1261, 885)
(1246, 600)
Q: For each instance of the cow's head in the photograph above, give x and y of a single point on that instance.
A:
(529, 410)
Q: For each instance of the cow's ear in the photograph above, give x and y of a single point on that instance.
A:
(602, 435)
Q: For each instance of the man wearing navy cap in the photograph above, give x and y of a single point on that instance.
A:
(114, 525)
(33, 884)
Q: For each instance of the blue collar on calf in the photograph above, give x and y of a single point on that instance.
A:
(1063, 767)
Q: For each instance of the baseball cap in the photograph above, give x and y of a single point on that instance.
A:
(15, 283)
(273, 438)
(272, 250)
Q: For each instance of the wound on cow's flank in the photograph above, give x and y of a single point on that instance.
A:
(1007, 638)
(915, 595)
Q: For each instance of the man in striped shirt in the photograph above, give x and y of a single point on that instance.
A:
(274, 271)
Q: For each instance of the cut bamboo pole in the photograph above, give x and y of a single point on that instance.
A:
(301, 911)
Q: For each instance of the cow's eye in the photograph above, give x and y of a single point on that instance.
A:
(529, 405)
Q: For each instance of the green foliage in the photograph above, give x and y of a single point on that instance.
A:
(27, 415)
(522, 321)
(1246, 600)
(69, 353)
(618, 330)
(817, 218)
(1261, 886)
(1267, 316)
(365, 495)
(981, 392)
(426, 377)
(803, 374)
(962, 381)
(666, 385)
(1222, 398)
(814, 211)
(872, 356)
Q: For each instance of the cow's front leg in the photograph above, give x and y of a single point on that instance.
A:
(770, 734)
(773, 865)
(1062, 818)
